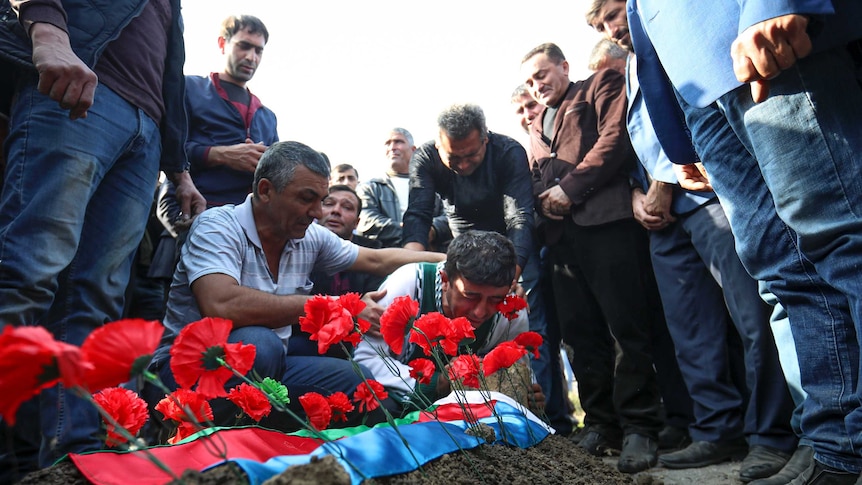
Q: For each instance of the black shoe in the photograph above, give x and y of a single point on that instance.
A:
(600, 444)
(761, 462)
(801, 460)
(578, 434)
(703, 453)
(673, 438)
(639, 454)
(819, 474)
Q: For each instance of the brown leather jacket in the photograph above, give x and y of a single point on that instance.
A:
(590, 155)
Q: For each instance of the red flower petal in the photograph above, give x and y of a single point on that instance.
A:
(395, 320)
(365, 392)
(428, 330)
(115, 347)
(178, 404)
(317, 409)
(458, 330)
(126, 408)
(340, 405)
(511, 305)
(531, 341)
(192, 356)
(502, 356)
(422, 370)
(31, 360)
(465, 368)
(352, 303)
(251, 400)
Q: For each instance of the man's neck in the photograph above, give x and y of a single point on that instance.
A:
(227, 78)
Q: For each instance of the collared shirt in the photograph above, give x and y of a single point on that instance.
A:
(225, 240)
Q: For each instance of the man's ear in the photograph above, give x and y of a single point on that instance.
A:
(443, 276)
(265, 189)
(221, 43)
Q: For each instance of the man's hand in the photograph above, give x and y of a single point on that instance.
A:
(372, 311)
(536, 398)
(190, 200)
(693, 177)
(766, 48)
(242, 156)
(658, 201)
(555, 203)
(63, 76)
(644, 218)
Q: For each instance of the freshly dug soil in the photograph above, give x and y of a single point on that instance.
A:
(553, 461)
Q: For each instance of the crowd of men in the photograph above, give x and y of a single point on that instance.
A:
(685, 219)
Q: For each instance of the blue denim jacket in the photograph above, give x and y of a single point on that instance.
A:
(89, 33)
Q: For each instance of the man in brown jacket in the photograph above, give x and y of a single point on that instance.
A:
(581, 157)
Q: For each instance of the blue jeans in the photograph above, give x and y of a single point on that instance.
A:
(75, 201)
(706, 292)
(789, 173)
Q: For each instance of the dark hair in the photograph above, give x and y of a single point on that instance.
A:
(346, 188)
(553, 51)
(482, 258)
(343, 167)
(460, 120)
(278, 164)
(237, 23)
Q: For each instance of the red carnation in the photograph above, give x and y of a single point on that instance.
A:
(179, 404)
(126, 408)
(340, 405)
(502, 356)
(455, 333)
(195, 351)
(251, 400)
(395, 320)
(422, 370)
(327, 322)
(365, 392)
(511, 305)
(465, 368)
(119, 351)
(428, 330)
(531, 341)
(317, 409)
(31, 360)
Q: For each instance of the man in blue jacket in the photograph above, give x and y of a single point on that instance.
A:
(770, 93)
(229, 127)
(96, 107)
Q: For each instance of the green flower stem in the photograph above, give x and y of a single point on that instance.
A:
(389, 418)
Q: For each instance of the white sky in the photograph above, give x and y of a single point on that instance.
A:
(339, 74)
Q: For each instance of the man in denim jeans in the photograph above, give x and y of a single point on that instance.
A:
(97, 104)
(770, 93)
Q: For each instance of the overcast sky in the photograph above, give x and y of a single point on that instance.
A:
(340, 74)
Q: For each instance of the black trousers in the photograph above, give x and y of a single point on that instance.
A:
(601, 277)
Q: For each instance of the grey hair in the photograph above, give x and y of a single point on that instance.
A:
(482, 258)
(605, 49)
(278, 164)
(520, 92)
(404, 132)
(459, 120)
